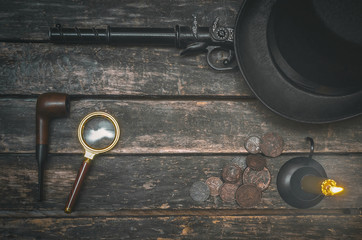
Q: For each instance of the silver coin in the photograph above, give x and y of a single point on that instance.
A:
(199, 191)
(214, 184)
(240, 161)
(252, 144)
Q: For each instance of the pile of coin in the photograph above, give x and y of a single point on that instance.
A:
(244, 179)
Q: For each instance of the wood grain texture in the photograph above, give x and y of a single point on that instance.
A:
(172, 126)
(27, 69)
(181, 122)
(258, 227)
(151, 182)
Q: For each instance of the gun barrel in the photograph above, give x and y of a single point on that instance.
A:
(178, 36)
(158, 36)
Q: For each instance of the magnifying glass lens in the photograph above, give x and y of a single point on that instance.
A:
(98, 132)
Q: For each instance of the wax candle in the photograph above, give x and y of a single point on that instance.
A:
(319, 185)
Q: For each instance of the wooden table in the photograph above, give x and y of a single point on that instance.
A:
(181, 122)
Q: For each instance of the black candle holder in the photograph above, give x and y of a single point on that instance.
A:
(290, 177)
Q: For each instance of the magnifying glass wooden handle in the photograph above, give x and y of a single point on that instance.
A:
(77, 185)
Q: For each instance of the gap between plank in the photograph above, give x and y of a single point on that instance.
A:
(79, 97)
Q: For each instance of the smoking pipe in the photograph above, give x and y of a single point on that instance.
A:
(48, 107)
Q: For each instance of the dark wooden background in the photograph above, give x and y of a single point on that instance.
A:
(181, 122)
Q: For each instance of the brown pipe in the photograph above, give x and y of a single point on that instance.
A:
(48, 107)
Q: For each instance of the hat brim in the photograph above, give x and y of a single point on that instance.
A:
(267, 82)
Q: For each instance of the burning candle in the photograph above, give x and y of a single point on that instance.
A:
(320, 185)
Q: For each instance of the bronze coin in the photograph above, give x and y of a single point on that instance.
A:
(231, 173)
(271, 145)
(252, 144)
(261, 179)
(214, 184)
(248, 195)
(256, 162)
(227, 192)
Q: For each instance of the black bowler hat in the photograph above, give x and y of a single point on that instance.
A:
(303, 58)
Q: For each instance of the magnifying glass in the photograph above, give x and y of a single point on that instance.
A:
(98, 132)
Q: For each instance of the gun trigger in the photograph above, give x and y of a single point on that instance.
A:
(194, 48)
(228, 63)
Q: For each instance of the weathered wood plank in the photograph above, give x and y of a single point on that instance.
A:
(180, 212)
(28, 69)
(153, 126)
(32, 19)
(259, 227)
(151, 182)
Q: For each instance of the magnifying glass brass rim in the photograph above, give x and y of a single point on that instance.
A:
(89, 151)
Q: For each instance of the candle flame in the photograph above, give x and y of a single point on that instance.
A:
(335, 190)
(330, 188)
